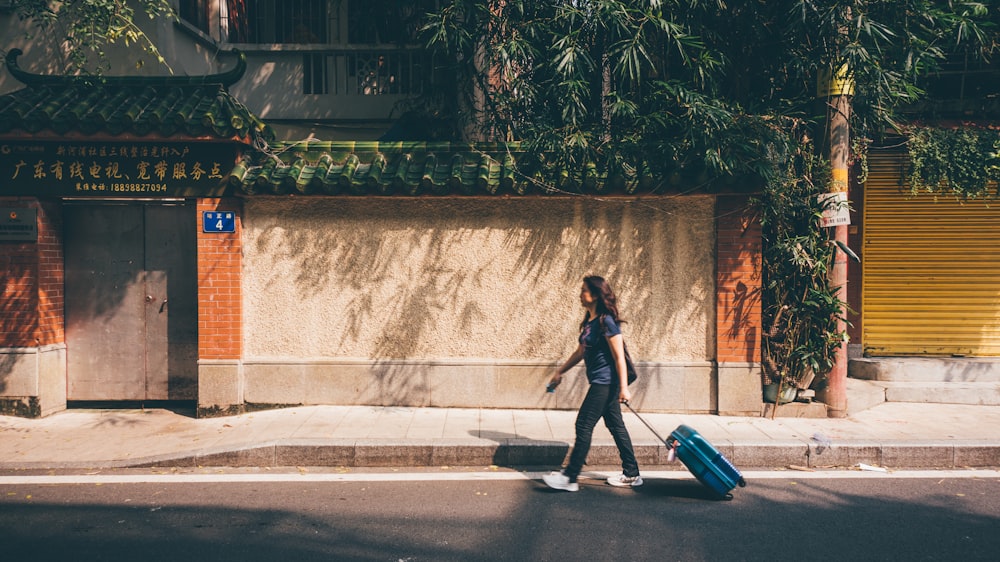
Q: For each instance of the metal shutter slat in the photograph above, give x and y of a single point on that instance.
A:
(931, 269)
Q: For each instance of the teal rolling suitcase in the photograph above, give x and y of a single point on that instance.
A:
(707, 464)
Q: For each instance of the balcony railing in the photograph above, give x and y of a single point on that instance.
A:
(376, 72)
(360, 82)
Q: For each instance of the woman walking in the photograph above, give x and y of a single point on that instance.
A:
(602, 349)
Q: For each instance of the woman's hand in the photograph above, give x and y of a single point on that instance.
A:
(624, 395)
(555, 381)
(574, 358)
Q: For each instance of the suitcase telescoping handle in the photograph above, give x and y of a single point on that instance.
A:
(660, 437)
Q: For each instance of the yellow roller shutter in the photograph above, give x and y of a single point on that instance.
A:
(931, 281)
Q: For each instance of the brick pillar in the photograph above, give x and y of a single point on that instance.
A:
(51, 276)
(738, 308)
(19, 281)
(32, 336)
(220, 318)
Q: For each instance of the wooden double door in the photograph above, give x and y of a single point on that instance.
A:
(131, 301)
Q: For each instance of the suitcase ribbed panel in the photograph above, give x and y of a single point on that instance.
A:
(705, 462)
(931, 268)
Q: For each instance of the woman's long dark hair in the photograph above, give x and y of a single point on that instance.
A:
(607, 303)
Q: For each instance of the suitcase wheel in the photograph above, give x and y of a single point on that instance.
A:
(742, 483)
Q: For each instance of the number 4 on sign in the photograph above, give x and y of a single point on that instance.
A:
(218, 221)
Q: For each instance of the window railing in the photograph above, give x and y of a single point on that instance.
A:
(391, 71)
(277, 21)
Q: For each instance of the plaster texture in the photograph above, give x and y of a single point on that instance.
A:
(469, 302)
(430, 278)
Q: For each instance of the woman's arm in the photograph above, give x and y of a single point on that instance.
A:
(570, 362)
(617, 345)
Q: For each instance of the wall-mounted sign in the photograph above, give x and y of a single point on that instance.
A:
(218, 221)
(18, 225)
(836, 209)
(112, 169)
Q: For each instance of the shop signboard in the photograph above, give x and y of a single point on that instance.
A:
(115, 169)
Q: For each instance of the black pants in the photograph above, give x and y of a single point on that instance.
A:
(601, 401)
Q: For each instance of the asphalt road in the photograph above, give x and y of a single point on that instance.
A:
(498, 516)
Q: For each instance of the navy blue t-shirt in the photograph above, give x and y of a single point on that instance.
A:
(598, 358)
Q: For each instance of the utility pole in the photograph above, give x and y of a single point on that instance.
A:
(836, 89)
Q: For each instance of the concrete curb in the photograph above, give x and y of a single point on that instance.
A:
(526, 452)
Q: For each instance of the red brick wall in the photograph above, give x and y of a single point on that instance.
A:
(31, 281)
(220, 255)
(19, 299)
(51, 275)
(738, 275)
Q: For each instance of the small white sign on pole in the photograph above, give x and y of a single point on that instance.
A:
(836, 211)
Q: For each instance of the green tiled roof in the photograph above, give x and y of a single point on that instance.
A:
(416, 168)
(195, 106)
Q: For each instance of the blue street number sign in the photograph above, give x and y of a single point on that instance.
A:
(218, 221)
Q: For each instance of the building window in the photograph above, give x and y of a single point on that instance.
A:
(276, 21)
(195, 12)
(372, 22)
(353, 47)
(316, 79)
(386, 21)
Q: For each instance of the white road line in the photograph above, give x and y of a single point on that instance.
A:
(460, 476)
(861, 474)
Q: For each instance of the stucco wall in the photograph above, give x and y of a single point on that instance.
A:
(469, 302)
(477, 278)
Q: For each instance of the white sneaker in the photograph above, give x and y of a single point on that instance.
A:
(624, 481)
(559, 481)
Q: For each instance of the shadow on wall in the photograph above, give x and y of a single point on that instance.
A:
(31, 308)
(741, 324)
(104, 265)
(17, 311)
(740, 321)
(400, 384)
(42, 56)
(648, 251)
(7, 363)
(497, 277)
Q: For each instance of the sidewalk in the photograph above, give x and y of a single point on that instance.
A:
(893, 435)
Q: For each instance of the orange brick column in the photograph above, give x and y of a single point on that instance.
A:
(51, 276)
(738, 308)
(220, 318)
(32, 336)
